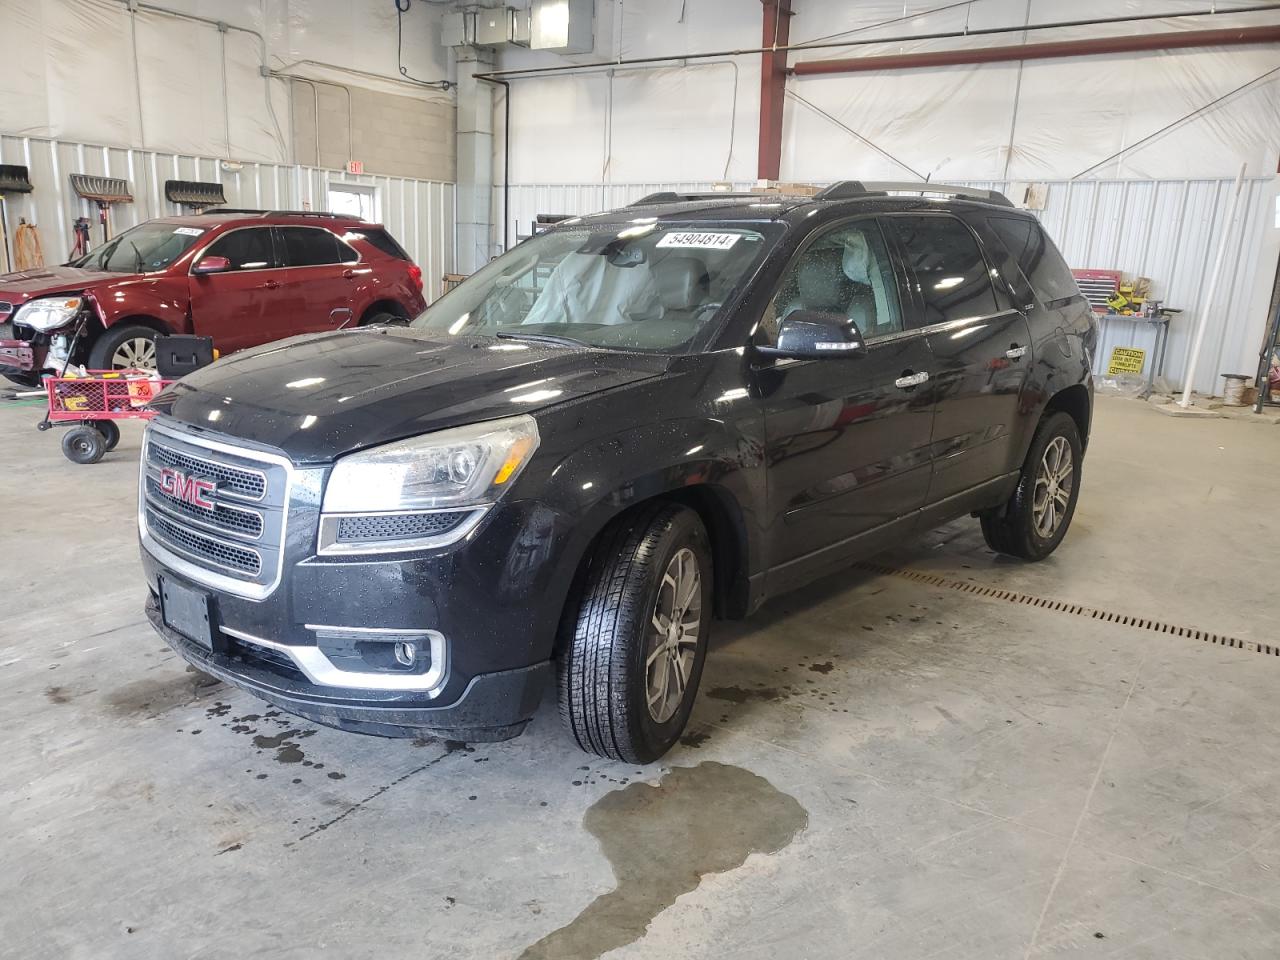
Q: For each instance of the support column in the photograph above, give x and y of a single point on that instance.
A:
(474, 147)
(773, 86)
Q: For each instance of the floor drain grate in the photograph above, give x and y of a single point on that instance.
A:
(1075, 609)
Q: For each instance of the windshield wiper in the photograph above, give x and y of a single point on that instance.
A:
(542, 338)
(139, 264)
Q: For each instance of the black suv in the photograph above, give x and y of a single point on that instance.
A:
(620, 429)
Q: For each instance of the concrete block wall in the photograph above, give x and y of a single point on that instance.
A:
(395, 136)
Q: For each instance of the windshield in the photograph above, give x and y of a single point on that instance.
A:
(641, 286)
(148, 246)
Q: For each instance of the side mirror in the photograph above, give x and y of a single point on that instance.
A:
(211, 265)
(810, 334)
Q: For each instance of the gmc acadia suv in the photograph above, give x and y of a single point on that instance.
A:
(243, 277)
(618, 430)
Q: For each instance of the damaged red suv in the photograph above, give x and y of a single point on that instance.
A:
(242, 277)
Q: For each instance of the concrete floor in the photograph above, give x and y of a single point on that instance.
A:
(880, 767)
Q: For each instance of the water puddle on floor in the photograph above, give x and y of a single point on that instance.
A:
(661, 839)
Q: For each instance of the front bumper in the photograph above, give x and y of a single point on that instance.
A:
(17, 356)
(492, 706)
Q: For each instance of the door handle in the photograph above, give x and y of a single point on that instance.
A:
(1015, 352)
(348, 274)
(909, 380)
(271, 285)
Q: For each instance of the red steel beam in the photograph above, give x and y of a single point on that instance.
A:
(1169, 40)
(773, 86)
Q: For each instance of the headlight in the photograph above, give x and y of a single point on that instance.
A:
(423, 492)
(49, 313)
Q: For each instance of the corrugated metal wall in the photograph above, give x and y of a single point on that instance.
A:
(1167, 230)
(419, 213)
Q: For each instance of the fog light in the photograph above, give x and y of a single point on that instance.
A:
(406, 653)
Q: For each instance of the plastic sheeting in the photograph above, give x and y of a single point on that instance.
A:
(70, 68)
(1061, 116)
(1167, 230)
(419, 213)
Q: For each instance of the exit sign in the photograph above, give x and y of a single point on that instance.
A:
(355, 166)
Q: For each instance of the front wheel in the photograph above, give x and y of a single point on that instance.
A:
(1033, 521)
(130, 347)
(636, 636)
(83, 445)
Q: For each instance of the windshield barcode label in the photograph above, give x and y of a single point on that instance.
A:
(704, 241)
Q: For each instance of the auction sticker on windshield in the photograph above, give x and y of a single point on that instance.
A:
(702, 241)
(189, 231)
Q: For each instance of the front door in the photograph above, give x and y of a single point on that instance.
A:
(847, 439)
(981, 347)
(316, 285)
(234, 307)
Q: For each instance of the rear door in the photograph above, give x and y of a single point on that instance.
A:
(980, 344)
(847, 439)
(234, 307)
(316, 282)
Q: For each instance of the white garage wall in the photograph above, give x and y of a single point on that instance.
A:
(419, 213)
(1167, 230)
(1046, 119)
(70, 68)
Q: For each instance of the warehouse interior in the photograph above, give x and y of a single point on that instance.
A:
(937, 751)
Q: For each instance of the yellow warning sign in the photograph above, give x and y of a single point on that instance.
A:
(1127, 360)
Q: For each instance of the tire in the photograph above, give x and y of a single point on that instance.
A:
(112, 350)
(1019, 528)
(110, 432)
(83, 445)
(609, 635)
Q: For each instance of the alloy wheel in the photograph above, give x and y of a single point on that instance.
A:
(1054, 481)
(673, 640)
(138, 353)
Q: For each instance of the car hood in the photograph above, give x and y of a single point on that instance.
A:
(317, 397)
(25, 284)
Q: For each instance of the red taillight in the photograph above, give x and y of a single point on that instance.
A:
(415, 274)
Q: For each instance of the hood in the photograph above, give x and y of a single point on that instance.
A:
(320, 396)
(22, 286)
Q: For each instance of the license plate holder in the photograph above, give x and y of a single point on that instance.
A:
(187, 611)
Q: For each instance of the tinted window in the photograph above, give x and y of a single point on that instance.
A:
(382, 240)
(1040, 261)
(248, 249)
(309, 246)
(846, 271)
(954, 280)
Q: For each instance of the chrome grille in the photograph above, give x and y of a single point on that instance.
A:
(250, 484)
(236, 545)
(222, 517)
(205, 549)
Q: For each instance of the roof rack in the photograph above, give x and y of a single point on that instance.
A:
(287, 213)
(670, 196)
(852, 189)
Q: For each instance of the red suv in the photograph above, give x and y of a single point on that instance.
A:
(243, 277)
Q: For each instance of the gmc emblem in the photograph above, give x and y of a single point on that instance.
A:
(190, 490)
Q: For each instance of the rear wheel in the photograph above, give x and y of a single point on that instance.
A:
(637, 635)
(83, 445)
(1033, 521)
(110, 432)
(130, 347)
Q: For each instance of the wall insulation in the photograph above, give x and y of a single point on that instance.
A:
(419, 213)
(1167, 230)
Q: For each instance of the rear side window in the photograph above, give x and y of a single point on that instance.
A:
(1038, 258)
(950, 271)
(382, 240)
(312, 246)
(247, 249)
